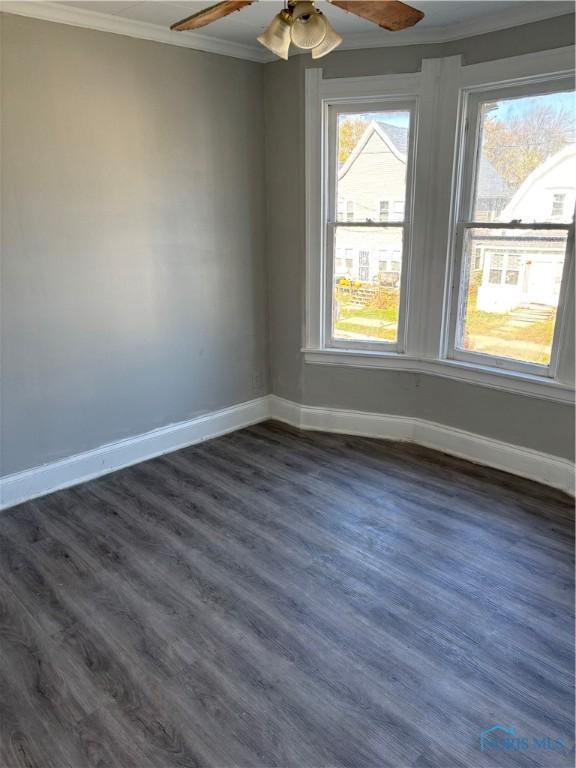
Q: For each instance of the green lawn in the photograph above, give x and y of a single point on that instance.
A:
(378, 334)
(389, 315)
(499, 334)
(383, 309)
(493, 333)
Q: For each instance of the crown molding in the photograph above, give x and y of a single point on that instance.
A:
(119, 25)
(525, 14)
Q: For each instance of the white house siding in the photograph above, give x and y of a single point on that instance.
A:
(527, 268)
(535, 199)
(513, 271)
(378, 173)
(520, 272)
(366, 254)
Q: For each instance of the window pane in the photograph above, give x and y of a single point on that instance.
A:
(512, 277)
(558, 204)
(527, 164)
(371, 173)
(367, 293)
(511, 313)
(495, 275)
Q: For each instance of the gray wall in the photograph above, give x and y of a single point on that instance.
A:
(133, 259)
(526, 421)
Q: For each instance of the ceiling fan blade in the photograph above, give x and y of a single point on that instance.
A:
(208, 15)
(389, 14)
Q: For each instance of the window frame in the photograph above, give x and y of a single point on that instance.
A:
(330, 222)
(468, 152)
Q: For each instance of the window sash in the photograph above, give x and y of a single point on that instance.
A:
(468, 167)
(470, 138)
(331, 223)
(458, 287)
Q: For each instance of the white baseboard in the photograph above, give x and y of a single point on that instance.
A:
(38, 481)
(542, 467)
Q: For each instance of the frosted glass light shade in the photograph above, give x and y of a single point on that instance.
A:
(308, 26)
(277, 37)
(331, 40)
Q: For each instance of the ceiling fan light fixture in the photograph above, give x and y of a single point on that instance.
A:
(331, 41)
(277, 36)
(304, 25)
(299, 8)
(308, 26)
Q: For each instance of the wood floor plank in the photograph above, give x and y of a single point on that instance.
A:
(277, 598)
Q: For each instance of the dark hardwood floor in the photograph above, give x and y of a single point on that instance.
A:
(275, 598)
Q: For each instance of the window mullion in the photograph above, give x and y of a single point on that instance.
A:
(437, 128)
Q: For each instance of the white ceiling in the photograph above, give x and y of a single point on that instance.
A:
(444, 20)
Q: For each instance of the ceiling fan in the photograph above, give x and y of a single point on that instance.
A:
(301, 23)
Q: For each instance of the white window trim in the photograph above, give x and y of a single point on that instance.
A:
(432, 266)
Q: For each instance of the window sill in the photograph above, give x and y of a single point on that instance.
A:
(495, 378)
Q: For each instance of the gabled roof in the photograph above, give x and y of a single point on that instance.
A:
(395, 137)
(565, 154)
(490, 183)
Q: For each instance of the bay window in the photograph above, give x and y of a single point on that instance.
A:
(440, 240)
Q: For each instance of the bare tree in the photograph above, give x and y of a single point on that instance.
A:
(519, 144)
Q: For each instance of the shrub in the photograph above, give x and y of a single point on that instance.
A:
(385, 298)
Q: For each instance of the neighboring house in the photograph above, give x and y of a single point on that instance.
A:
(526, 268)
(513, 269)
(372, 187)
